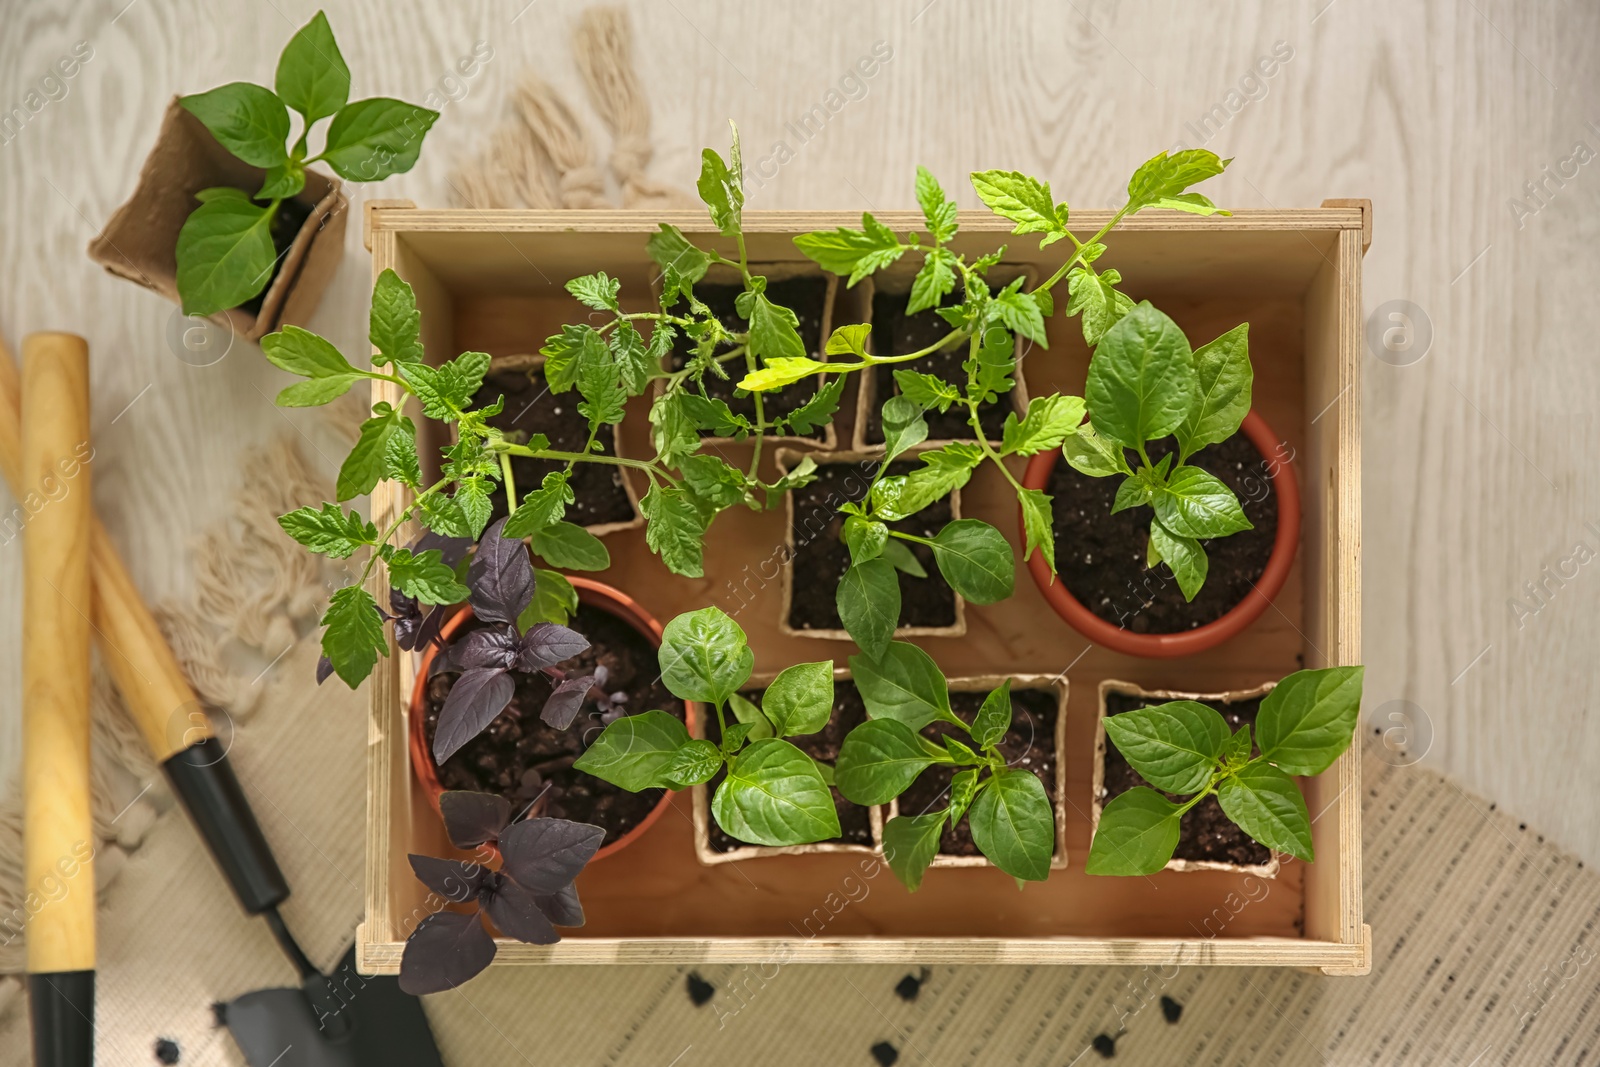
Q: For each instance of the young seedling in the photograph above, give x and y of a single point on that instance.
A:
(225, 250)
(773, 794)
(526, 897)
(1011, 815)
(1146, 384)
(1184, 749)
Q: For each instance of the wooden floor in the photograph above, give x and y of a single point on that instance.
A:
(1480, 457)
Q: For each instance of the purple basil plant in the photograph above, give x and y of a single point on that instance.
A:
(530, 894)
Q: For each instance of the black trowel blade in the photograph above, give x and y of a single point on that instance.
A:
(369, 1023)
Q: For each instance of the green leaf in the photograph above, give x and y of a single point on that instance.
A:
(963, 788)
(1167, 176)
(675, 530)
(670, 248)
(554, 600)
(1038, 525)
(695, 764)
(1089, 453)
(1135, 491)
(1237, 751)
(542, 507)
(864, 538)
(774, 795)
(449, 388)
(561, 544)
(282, 181)
(476, 508)
(563, 353)
(329, 532)
(902, 559)
(225, 254)
(396, 324)
(934, 280)
(868, 599)
(927, 390)
(903, 684)
(633, 360)
(1095, 297)
(1021, 313)
(780, 372)
(1266, 804)
(1309, 718)
(353, 637)
(938, 209)
(880, 759)
(1137, 835)
(903, 426)
(425, 577)
(1015, 196)
(371, 139)
(975, 558)
(304, 353)
(1223, 370)
(1174, 746)
(734, 739)
(800, 699)
(312, 75)
(750, 715)
(990, 374)
(721, 187)
(774, 330)
(1192, 203)
(994, 717)
(634, 752)
(1184, 555)
(1050, 421)
(712, 480)
(1196, 503)
(909, 844)
(704, 656)
(1142, 382)
(856, 253)
(1013, 824)
(943, 470)
(316, 392)
(246, 119)
(367, 462)
(598, 291)
(849, 340)
(959, 751)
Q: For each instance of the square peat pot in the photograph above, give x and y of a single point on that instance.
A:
(492, 281)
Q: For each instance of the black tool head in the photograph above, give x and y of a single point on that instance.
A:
(343, 1020)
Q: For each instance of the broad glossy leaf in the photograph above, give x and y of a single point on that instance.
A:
(705, 656)
(902, 559)
(634, 751)
(395, 324)
(500, 576)
(748, 714)
(444, 951)
(1142, 382)
(1170, 175)
(544, 855)
(545, 644)
(909, 844)
(369, 140)
(566, 700)
(1038, 525)
(312, 76)
(865, 538)
(964, 786)
(695, 764)
(1048, 422)
(1309, 718)
(493, 647)
(562, 908)
(1196, 503)
(476, 698)
(774, 330)
(1089, 453)
(1223, 370)
(800, 699)
(903, 425)
(904, 684)
(515, 912)
(975, 558)
(470, 819)
(774, 795)
(1184, 555)
(1018, 197)
(868, 599)
(570, 547)
(246, 119)
(1014, 825)
(994, 716)
(1266, 804)
(454, 880)
(1137, 835)
(1174, 746)
(880, 759)
(225, 254)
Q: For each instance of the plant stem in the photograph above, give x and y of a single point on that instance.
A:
(402, 517)
(510, 482)
(647, 466)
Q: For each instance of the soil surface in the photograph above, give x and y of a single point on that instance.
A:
(1206, 833)
(894, 333)
(1101, 557)
(821, 557)
(285, 227)
(848, 713)
(532, 408)
(805, 296)
(517, 746)
(1030, 744)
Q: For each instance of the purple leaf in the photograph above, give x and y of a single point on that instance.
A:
(452, 550)
(500, 577)
(445, 950)
(562, 908)
(515, 913)
(545, 855)
(547, 644)
(494, 647)
(473, 818)
(475, 699)
(324, 669)
(563, 705)
(454, 880)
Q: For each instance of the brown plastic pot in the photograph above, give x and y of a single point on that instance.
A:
(1169, 646)
(596, 595)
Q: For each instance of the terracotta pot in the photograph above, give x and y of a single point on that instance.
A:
(595, 595)
(1168, 646)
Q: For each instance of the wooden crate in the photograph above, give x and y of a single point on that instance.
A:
(492, 281)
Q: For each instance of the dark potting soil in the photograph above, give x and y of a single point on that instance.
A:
(532, 408)
(1101, 557)
(1030, 745)
(848, 712)
(284, 227)
(894, 333)
(1205, 833)
(805, 296)
(517, 745)
(821, 556)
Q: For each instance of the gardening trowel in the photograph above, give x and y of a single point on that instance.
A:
(347, 1020)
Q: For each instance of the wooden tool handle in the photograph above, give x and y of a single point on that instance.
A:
(58, 831)
(153, 687)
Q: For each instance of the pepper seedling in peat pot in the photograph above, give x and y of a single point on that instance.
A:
(1185, 749)
(773, 793)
